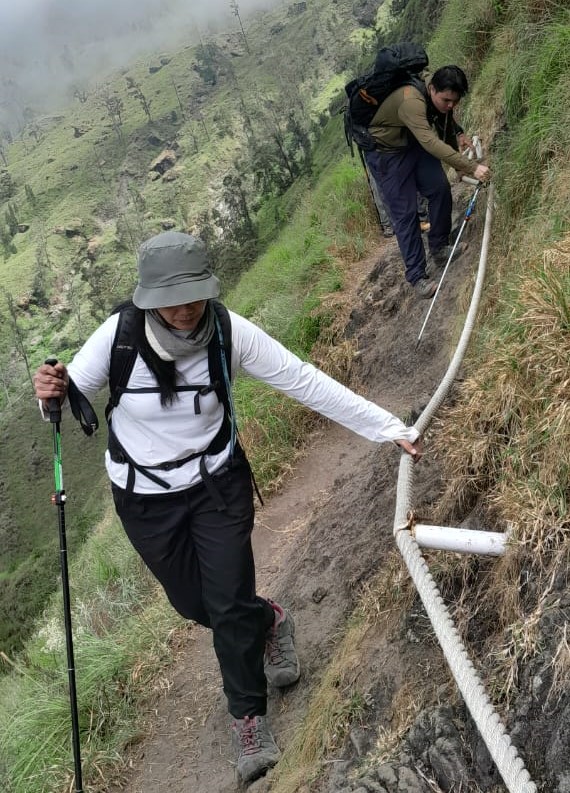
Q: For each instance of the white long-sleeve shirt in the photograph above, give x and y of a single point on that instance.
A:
(152, 434)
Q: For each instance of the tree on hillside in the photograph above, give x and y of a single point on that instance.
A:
(79, 93)
(301, 140)
(11, 218)
(107, 283)
(6, 241)
(17, 334)
(235, 8)
(114, 106)
(275, 126)
(134, 89)
(246, 113)
(290, 76)
(179, 98)
(228, 230)
(41, 240)
(31, 125)
(3, 156)
(236, 202)
(208, 59)
(201, 121)
(30, 196)
(193, 132)
(40, 296)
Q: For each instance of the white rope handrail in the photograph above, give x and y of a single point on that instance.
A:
(498, 742)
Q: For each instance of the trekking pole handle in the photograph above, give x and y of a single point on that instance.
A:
(54, 405)
(470, 180)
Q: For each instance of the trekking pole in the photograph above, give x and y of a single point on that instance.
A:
(58, 498)
(466, 219)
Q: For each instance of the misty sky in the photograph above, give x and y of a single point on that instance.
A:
(48, 45)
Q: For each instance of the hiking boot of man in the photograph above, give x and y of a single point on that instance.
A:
(387, 231)
(438, 259)
(281, 662)
(255, 747)
(425, 288)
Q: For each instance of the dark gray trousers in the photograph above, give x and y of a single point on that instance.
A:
(401, 176)
(203, 558)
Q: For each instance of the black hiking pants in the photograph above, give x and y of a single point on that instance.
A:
(203, 558)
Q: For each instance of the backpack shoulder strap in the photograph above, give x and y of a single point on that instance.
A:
(123, 352)
(220, 375)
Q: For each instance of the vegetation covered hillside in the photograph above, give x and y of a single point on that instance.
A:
(232, 138)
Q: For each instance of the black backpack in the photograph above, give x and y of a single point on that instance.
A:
(395, 66)
(124, 352)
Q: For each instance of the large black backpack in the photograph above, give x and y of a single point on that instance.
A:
(395, 66)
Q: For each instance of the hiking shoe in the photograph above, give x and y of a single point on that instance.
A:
(280, 660)
(387, 231)
(438, 259)
(255, 747)
(425, 288)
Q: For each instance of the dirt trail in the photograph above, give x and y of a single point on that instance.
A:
(323, 535)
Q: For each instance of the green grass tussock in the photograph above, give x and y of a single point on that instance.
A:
(464, 34)
(122, 638)
(537, 78)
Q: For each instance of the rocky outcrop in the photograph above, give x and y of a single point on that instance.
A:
(365, 12)
(165, 160)
(75, 228)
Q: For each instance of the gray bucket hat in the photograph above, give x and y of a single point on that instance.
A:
(173, 269)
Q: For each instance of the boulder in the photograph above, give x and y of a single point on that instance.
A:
(171, 176)
(165, 160)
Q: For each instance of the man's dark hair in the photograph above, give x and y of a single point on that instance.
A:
(450, 78)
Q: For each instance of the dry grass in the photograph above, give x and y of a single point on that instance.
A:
(337, 703)
(409, 701)
(387, 596)
(506, 446)
(560, 667)
(334, 706)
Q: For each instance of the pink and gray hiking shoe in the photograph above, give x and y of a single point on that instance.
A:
(255, 747)
(281, 662)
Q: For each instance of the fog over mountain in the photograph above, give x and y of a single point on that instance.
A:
(48, 46)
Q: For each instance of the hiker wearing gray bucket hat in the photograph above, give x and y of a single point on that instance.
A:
(174, 269)
(181, 483)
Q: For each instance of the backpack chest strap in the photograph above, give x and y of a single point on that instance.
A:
(201, 390)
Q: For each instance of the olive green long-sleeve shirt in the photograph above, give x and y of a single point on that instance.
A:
(404, 111)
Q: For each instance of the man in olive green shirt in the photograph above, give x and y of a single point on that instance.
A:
(415, 134)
